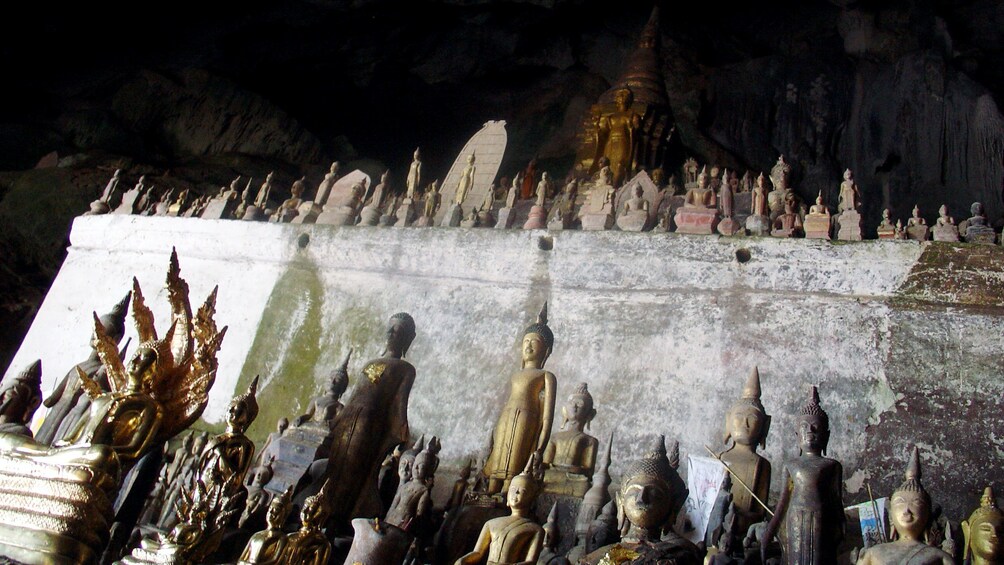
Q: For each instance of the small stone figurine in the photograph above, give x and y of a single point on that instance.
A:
(414, 498)
(812, 505)
(909, 512)
(570, 455)
(550, 555)
(984, 531)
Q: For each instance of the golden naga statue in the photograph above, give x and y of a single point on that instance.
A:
(267, 546)
(59, 506)
(524, 427)
(747, 425)
(909, 513)
(984, 531)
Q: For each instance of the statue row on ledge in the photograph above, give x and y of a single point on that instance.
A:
(707, 206)
(203, 510)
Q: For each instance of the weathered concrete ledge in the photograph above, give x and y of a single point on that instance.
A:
(904, 339)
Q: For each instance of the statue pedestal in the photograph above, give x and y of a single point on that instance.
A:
(99, 207)
(537, 219)
(886, 232)
(699, 221)
(309, 212)
(486, 219)
(947, 232)
(405, 213)
(423, 222)
(338, 216)
(850, 226)
(219, 209)
(983, 235)
(817, 227)
(728, 226)
(128, 205)
(251, 214)
(369, 216)
(506, 218)
(294, 451)
(453, 217)
(633, 221)
(758, 225)
(597, 222)
(560, 222)
(918, 232)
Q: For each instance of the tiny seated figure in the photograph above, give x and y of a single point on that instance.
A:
(598, 212)
(413, 500)
(916, 226)
(309, 545)
(811, 503)
(699, 213)
(19, 400)
(230, 454)
(570, 455)
(945, 228)
(886, 229)
(291, 206)
(635, 212)
(817, 221)
(900, 231)
(747, 425)
(268, 546)
(787, 224)
(976, 228)
(984, 532)
(512, 539)
(909, 513)
(549, 554)
(758, 222)
(650, 496)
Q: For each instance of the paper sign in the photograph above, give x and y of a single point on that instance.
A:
(872, 526)
(704, 479)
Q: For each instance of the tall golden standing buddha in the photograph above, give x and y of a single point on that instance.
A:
(632, 123)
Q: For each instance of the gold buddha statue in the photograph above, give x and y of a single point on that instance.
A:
(650, 496)
(524, 426)
(984, 531)
(267, 546)
(909, 513)
(466, 181)
(701, 196)
(747, 425)
(570, 455)
(231, 452)
(371, 423)
(512, 539)
(811, 503)
(309, 546)
(616, 132)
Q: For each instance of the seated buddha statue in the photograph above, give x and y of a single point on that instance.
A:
(309, 545)
(945, 228)
(909, 513)
(515, 538)
(916, 226)
(984, 532)
(231, 453)
(886, 228)
(702, 195)
(267, 546)
(747, 425)
(788, 224)
(570, 455)
(635, 211)
(650, 496)
(290, 207)
(524, 426)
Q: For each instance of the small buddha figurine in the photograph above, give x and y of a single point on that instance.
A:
(433, 199)
(899, 232)
(811, 503)
(513, 539)
(326, 407)
(779, 176)
(524, 426)
(886, 228)
(787, 224)
(264, 191)
(413, 500)
(19, 399)
(747, 425)
(267, 546)
(916, 226)
(984, 532)
(324, 189)
(570, 455)
(650, 496)
(634, 212)
(850, 197)
(290, 207)
(258, 498)
(466, 181)
(909, 513)
(309, 545)
(819, 209)
(372, 422)
(701, 196)
(977, 229)
(945, 228)
(549, 554)
(414, 179)
(231, 453)
(817, 221)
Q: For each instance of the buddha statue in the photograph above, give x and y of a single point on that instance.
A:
(268, 546)
(779, 177)
(19, 399)
(635, 211)
(909, 513)
(747, 425)
(976, 229)
(886, 228)
(512, 539)
(524, 426)
(592, 505)
(811, 503)
(413, 500)
(466, 181)
(106, 201)
(700, 196)
(281, 425)
(984, 532)
(290, 207)
(324, 189)
(616, 132)
(67, 402)
(414, 179)
(787, 224)
(916, 226)
(549, 554)
(850, 197)
(570, 455)
(327, 406)
(460, 486)
(231, 453)
(433, 200)
(258, 499)
(945, 228)
(309, 545)
(650, 496)
(372, 422)
(817, 221)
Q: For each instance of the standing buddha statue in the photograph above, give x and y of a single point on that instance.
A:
(747, 425)
(524, 426)
(570, 455)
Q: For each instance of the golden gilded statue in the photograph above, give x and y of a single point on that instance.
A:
(309, 546)
(616, 133)
(984, 531)
(747, 425)
(164, 389)
(524, 426)
(570, 456)
(267, 546)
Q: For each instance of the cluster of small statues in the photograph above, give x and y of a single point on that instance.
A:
(706, 204)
